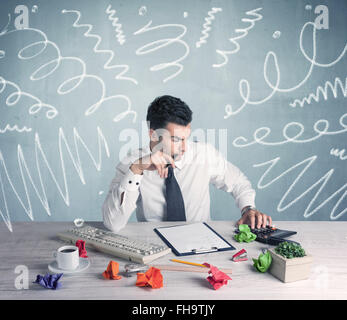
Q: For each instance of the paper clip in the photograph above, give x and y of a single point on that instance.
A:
(133, 268)
(240, 256)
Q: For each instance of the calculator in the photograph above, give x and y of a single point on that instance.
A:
(271, 235)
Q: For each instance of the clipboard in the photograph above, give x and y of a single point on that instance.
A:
(193, 238)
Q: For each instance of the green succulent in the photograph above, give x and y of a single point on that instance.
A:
(290, 250)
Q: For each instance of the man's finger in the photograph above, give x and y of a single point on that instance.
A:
(166, 171)
(270, 220)
(241, 221)
(169, 160)
(264, 220)
(162, 165)
(163, 171)
(259, 219)
(252, 219)
(158, 166)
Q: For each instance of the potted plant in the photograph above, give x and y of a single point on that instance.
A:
(290, 262)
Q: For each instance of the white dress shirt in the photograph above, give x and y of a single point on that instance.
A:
(199, 166)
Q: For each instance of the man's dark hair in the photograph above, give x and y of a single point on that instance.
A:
(167, 109)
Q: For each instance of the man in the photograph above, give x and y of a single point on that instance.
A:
(169, 179)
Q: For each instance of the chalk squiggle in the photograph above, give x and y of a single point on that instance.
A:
(15, 128)
(112, 17)
(206, 26)
(156, 45)
(244, 88)
(49, 67)
(338, 153)
(96, 49)
(321, 183)
(320, 91)
(39, 153)
(5, 29)
(261, 133)
(14, 97)
(244, 33)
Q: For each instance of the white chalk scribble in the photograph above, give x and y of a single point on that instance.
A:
(276, 34)
(322, 92)
(15, 96)
(35, 49)
(320, 184)
(15, 128)
(243, 32)
(158, 44)
(338, 153)
(244, 87)
(142, 10)
(110, 53)
(119, 31)
(40, 157)
(5, 28)
(320, 127)
(206, 26)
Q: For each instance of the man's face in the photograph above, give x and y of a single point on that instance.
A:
(173, 139)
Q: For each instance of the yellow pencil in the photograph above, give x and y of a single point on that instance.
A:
(191, 263)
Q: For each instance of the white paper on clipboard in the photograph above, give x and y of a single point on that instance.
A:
(193, 238)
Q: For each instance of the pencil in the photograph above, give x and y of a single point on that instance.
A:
(191, 263)
(187, 269)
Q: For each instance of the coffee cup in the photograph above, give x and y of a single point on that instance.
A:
(67, 257)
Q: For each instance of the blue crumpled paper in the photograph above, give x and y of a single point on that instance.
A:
(49, 281)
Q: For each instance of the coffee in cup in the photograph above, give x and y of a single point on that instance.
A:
(67, 257)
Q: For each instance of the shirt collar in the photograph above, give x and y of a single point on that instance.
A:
(179, 163)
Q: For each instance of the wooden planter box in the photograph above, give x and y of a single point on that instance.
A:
(290, 270)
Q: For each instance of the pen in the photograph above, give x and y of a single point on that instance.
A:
(191, 263)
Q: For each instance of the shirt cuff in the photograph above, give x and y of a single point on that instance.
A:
(131, 181)
(246, 201)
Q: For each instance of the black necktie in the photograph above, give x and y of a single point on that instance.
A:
(174, 199)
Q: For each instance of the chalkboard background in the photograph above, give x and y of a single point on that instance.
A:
(266, 81)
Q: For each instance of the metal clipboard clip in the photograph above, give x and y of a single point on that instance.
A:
(204, 250)
(240, 256)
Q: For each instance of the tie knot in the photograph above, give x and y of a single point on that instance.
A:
(170, 172)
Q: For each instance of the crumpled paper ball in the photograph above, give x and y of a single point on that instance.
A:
(245, 234)
(49, 281)
(81, 245)
(112, 270)
(152, 277)
(263, 262)
(217, 278)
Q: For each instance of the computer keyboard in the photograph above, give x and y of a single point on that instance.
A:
(115, 244)
(271, 235)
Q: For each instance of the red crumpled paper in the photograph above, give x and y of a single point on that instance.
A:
(81, 245)
(217, 278)
(112, 270)
(152, 277)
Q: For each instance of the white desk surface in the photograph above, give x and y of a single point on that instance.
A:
(32, 243)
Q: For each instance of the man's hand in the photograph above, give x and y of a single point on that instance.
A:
(255, 218)
(155, 161)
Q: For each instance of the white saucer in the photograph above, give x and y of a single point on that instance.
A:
(83, 265)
